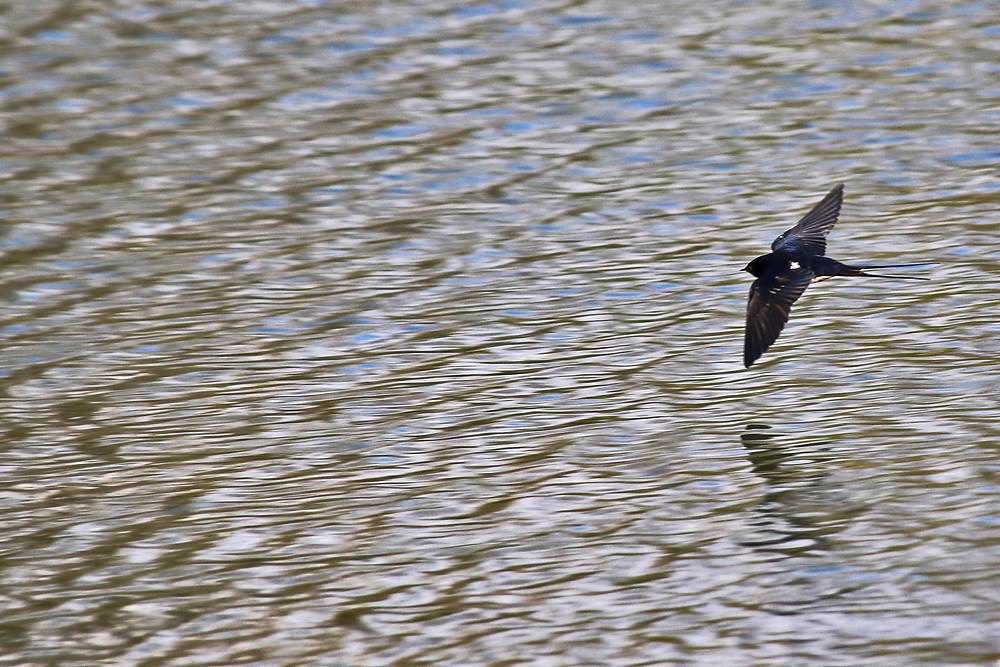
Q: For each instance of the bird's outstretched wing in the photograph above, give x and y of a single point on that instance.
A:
(809, 234)
(771, 299)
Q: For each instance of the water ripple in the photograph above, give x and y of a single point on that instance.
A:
(411, 335)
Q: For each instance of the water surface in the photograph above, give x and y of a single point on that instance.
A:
(410, 333)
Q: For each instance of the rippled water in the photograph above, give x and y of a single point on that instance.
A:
(410, 333)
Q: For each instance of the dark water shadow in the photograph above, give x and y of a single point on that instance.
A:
(800, 509)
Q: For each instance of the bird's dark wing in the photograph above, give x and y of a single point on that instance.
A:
(771, 299)
(809, 234)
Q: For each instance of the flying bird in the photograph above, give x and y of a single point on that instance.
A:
(796, 260)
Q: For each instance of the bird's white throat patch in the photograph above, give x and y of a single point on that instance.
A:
(794, 265)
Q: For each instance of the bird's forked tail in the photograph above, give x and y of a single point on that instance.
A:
(862, 272)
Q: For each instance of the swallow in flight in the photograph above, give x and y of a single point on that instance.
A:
(796, 260)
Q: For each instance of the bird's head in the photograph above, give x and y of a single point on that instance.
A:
(757, 267)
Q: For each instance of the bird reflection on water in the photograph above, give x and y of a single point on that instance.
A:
(798, 511)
